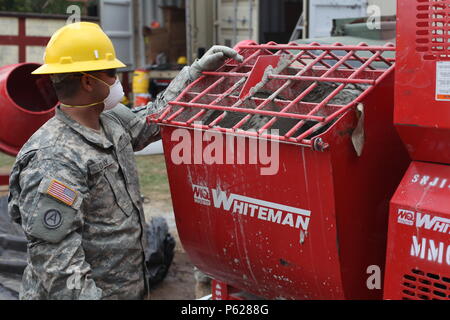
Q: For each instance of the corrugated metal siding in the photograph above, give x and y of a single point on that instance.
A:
(116, 18)
(269, 20)
(237, 20)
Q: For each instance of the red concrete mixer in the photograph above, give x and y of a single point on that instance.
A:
(26, 102)
(418, 257)
(314, 225)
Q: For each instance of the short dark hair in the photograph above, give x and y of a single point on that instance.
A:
(67, 85)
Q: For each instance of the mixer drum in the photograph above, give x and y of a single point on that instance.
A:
(26, 102)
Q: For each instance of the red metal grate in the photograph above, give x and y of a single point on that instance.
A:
(420, 285)
(433, 29)
(303, 91)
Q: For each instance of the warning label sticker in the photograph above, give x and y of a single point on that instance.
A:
(443, 81)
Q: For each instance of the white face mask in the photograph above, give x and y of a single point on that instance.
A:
(115, 95)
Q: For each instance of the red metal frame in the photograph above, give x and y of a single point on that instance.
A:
(4, 179)
(422, 120)
(308, 64)
(418, 253)
(345, 196)
(257, 73)
(22, 40)
(222, 291)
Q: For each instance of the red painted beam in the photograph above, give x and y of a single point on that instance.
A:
(4, 179)
(22, 40)
(22, 36)
(30, 41)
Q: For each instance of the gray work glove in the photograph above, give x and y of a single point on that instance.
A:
(212, 60)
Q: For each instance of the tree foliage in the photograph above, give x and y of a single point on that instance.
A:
(38, 6)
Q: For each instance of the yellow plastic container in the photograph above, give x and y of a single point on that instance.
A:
(141, 81)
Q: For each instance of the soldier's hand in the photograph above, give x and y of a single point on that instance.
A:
(212, 60)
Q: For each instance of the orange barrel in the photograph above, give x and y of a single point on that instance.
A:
(26, 102)
(141, 99)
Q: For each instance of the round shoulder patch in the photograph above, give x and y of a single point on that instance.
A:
(52, 219)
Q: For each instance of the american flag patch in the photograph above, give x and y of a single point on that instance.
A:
(62, 192)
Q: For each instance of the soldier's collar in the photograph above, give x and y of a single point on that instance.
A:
(89, 135)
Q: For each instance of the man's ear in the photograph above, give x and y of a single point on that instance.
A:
(87, 83)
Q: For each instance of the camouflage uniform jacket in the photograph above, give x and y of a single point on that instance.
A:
(76, 194)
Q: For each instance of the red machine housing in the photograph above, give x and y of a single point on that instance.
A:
(422, 91)
(418, 257)
(311, 229)
(26, 102)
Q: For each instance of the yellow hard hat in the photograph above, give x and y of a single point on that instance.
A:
(77, 47)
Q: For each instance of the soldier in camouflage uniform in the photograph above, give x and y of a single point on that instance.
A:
(74, 187)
